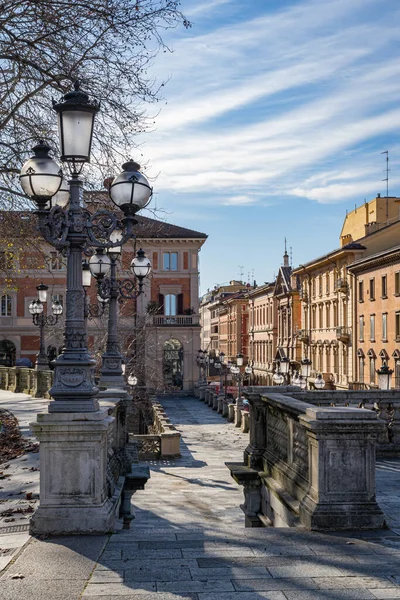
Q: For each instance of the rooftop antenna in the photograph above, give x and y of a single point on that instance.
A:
(387, 182)
(241, 272)
(291, 256)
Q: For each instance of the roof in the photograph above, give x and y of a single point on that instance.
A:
(377, 258)
(152, 228)
(351, 246)
(145, 228)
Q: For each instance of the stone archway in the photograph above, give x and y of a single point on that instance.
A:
(173, 364)
(7, 353)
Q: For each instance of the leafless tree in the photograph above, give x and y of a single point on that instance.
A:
(46, 45)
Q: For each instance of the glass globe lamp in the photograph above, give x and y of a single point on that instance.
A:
(99, 264)
(41, 176)
(141, 265)
(130, 190)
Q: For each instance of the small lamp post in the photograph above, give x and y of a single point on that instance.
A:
(278, 378)
(200, 363)
(115, 290)
(41, 320)
(284, 366)
(319, 382)
(384, 376)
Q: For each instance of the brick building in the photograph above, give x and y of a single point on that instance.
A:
(163, 325)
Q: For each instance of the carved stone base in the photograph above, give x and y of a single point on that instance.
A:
(73, 474)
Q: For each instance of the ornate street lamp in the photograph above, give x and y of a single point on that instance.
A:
(41, 320)
(75, 495)
(278, 378)
(75, 229)
(130, 190)
(319, 382)
(116, 290)
(305, 368)
(384, 376)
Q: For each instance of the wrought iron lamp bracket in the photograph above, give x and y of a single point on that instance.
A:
(102, 224)
(41, 320)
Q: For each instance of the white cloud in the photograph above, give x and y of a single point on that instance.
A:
(275, 105)
(239, 201)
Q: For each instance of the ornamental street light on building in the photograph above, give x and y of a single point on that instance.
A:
(384, 376)
(41, 320)
(116, 290)
(72, 500)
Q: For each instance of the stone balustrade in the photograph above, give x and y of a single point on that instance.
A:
(164, 442)
(27, 381)
(308, 465)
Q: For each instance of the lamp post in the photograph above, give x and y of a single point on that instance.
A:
(116, 290)
(384, 376)
(319, 382)
(41, 320)
(284, 365)
(74, 494)
(201, 361)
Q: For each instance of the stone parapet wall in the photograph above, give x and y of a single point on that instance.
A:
(27, 381)
(310, 466)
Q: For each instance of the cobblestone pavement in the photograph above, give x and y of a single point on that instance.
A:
(188, 540)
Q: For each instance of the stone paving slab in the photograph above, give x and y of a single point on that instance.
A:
(188, 540)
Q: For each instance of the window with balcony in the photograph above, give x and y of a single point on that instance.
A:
(361, 291)
(384, 327)
(5, 306)
(170, 261)
(372, 328)
(384, 286)
(372, 289)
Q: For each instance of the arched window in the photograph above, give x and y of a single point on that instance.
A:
(5, 306)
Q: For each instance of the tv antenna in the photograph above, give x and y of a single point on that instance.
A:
(241, 272)
(387, 182)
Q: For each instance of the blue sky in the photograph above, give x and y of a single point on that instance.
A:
(274, 120)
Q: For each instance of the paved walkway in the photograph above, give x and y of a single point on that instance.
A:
(188, 539)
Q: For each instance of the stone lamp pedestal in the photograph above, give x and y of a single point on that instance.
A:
(73, 485)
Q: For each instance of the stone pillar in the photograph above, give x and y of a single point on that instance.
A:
(258, 432)
(215, 401)
(231, 412)
(251, 482)
(224, 408)
(220, 403)
(73, 485)
(245, 421)
(341, 446)
(237, 415)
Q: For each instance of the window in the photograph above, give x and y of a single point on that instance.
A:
(335, 314)
(372, 328)
(320, 316)
(397, 374)
(58, 298)
(313, 288)
(327, 289)
(361, 291)
(384, 327)
(361, 328)
(372, 289)
(361, 369)
(56, 262)
(397, 326)
(372, 373)
(384, 286)
(328, 316)
(170, 261)
(320, 285)
(397, 283)
(170, 305)
(5, 306)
